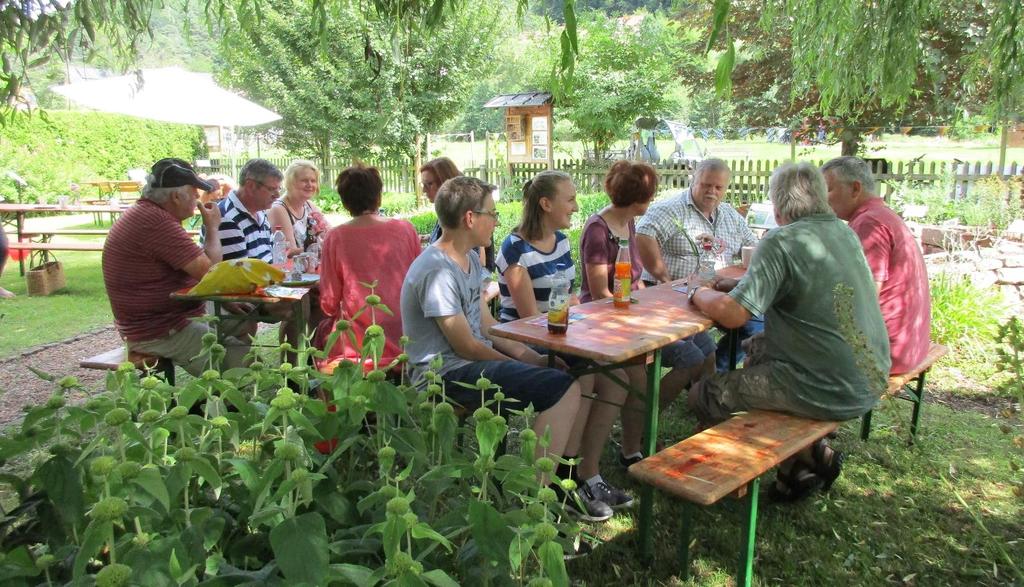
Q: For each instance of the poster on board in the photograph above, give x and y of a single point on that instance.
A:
(540, 137)
(517, 148)
(539, 123)
(540, 153)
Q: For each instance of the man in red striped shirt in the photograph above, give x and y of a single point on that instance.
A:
(148, 255)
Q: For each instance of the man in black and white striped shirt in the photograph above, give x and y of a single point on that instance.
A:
(244, 231)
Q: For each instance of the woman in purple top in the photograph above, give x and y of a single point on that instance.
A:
(631, 187)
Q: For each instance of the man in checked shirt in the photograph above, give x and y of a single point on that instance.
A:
(665, 233)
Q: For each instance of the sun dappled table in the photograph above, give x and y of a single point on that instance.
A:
(270, 297)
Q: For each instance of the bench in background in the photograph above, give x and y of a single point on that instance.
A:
(909, 386)
(112, 359)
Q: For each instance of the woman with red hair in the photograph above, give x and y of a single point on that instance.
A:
(369, 249)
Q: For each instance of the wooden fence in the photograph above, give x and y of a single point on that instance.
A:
(749, 181)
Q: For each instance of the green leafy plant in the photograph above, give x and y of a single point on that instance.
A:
(964, 317)
(53, 151)
(1010, 353)
(245, 476)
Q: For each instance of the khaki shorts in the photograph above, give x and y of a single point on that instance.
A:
(184, 346)
(716, 398)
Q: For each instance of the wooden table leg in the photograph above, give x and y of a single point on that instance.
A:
(21, 229)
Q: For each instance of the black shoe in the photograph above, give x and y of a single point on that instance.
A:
(827, 468)
(799, 483)
(625, 462)
(582, 505)
(614, 497)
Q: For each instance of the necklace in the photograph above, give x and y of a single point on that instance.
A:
(369, 212)
(288, 204)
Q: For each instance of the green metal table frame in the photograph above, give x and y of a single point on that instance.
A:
(652, 397)
(913, 392)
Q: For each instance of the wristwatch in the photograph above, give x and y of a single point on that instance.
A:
(693, 292)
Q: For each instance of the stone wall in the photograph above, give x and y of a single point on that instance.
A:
(990, 260)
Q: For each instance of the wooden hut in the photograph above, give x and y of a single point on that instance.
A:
(528, 126)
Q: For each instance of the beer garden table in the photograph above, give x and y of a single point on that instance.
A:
(13, 214)
(272, 296)
(610, 338)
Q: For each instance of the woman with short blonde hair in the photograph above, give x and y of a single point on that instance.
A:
(299, 219)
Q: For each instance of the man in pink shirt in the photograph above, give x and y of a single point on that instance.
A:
(893, 256)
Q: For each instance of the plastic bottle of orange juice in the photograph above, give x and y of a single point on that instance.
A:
(623, 276)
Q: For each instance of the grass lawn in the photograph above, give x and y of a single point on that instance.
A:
(32, 320)
(895, 516)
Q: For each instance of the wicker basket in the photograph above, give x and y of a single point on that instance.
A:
(45, 279)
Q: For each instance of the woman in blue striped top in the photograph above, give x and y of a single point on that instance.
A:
(527, 262)
(537, 249)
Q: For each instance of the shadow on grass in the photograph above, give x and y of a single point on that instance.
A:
(893, 517)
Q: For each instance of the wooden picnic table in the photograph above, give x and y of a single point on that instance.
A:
(612, 338)
(275, 295)
(13, 215)
(111, 187)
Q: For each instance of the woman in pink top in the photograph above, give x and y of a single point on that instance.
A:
(367, 249)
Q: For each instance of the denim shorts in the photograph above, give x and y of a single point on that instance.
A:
(688, 352)
(526, 383)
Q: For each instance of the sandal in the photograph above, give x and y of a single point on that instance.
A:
(794, 485)
(827, 470)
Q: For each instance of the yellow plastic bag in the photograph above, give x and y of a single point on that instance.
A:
(238, 276)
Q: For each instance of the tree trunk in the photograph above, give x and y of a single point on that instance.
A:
(850, 140)
(323, 151)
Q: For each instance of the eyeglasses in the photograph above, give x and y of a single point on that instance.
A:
(492, 213)
(275, 191)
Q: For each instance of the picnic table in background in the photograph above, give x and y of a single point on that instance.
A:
(274, 295)
(13, 215)
(108, 188)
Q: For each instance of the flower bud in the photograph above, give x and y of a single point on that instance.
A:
(114, 575)
(545, 465)
(398, 506)
(110, 509)
(102, 466)
(116, 417)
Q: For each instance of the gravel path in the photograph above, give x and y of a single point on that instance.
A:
(20, 387)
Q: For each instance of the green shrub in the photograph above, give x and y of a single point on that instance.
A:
(52, 150)
(233, 477)
(964, 317)
(990, 202)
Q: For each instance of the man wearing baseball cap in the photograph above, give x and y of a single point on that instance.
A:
(148, 255)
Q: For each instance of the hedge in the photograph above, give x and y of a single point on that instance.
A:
(51, 150)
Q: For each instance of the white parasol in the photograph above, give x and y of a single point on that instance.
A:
(169, 94)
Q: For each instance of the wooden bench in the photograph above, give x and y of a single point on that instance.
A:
(78, 232)
(112, 359)
(908, 386)
(40, 253)
(727, 459)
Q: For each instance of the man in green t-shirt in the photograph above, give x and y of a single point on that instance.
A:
(825, 350)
